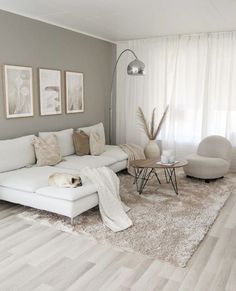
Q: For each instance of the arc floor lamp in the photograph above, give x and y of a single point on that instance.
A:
(135, 68)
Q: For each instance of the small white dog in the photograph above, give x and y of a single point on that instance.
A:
(64, 180)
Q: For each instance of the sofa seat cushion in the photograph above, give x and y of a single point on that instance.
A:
(206, 168)
(75, 162)
(70, 194)
(28, 179)
(111, 156)
(114, 152)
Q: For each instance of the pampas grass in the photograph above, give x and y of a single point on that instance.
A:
(150, 128)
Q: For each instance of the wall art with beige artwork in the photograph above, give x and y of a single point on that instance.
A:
(50, 91)
(18, 91)
(74, 92)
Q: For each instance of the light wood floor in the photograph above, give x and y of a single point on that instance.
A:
(36, 257)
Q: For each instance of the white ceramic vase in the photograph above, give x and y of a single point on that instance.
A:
(152, 150)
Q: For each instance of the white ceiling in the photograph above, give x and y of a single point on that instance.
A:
(116, 20)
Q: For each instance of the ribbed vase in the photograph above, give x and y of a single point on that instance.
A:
(152, 150)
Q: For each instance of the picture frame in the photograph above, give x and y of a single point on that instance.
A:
(74, 87)
(50, 91)
(18, 91)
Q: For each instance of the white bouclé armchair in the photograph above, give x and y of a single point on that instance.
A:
(212, 159)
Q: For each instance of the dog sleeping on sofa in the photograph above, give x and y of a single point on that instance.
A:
(64, 180)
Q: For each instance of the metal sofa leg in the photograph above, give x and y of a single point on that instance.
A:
(73, 220)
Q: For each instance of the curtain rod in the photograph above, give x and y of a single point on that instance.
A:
(177, 35)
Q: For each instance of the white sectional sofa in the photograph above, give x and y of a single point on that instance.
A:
(23, 182)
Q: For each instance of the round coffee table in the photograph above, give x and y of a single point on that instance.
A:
(145, 169)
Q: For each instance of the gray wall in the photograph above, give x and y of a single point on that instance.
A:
(33, 43)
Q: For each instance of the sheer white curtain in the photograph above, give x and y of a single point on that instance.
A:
(194, 74)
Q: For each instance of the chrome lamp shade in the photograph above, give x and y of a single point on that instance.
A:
(136, 68)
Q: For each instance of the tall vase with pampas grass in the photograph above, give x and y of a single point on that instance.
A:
(151, 150)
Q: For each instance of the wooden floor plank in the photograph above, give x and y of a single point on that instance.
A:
(231, 283)
(41, 258)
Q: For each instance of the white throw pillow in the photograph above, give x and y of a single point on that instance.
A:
(97, 128)
(16, 153)
(96, 144)
(65, 140)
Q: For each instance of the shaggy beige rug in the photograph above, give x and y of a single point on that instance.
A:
(166, 226)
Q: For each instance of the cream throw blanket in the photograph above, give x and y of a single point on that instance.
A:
(134, 152)
(112, 210)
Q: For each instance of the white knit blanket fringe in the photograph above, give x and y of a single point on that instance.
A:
(112, 209)
(134, 152)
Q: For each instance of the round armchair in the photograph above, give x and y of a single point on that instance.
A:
(212, 159)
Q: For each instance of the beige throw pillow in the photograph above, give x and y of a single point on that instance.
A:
(65, 140)
(81, 143)
(47, 150)
(96, 143)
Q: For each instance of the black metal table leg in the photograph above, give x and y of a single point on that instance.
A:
(142, 176)
(137, 173)
(167, 175)
(146, 173)
(171, 178)
(146, 169)
(155, 173)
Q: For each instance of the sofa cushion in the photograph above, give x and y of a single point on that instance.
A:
(206, 168)
(65, 140)
(16, 153)
(47, 150)
(96, 144)
(114, 152)
(69, 194)
(112, 155)
(119, 166)
(28, 179)
(81, 143)
(97, 128)
(75, 162)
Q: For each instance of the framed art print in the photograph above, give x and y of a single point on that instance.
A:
(50, 91)
(18, 83)
(74, 92)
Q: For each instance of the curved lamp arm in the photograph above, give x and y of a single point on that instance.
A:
(111, 95)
